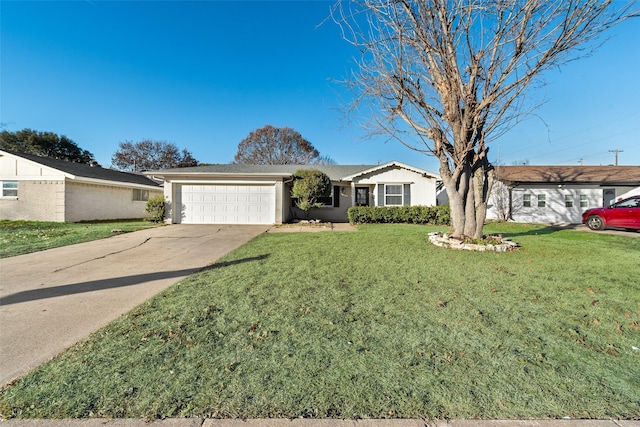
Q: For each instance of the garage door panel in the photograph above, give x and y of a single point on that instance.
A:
(228, 204)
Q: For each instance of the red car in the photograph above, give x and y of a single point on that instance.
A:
(623, 214)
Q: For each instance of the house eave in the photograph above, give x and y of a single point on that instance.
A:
(421, 172)
(216, 175)
(95, 181)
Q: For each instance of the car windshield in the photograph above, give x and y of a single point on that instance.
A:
(629, 203)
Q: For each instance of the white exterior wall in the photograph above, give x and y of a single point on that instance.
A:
(46, 194)
(171, 213)
(86, 202)
(423, 190)
(37, 201)
(40, 191)
(555, 210)
(24, 170)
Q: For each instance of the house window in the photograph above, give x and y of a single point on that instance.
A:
(393, 194)
(584, 203)
(568, 200)
(326, 201)
(140, 195)
(332, 201)
(542, 200)
(526, 200)
(9, 188)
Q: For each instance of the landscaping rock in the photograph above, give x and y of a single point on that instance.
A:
(494, 243)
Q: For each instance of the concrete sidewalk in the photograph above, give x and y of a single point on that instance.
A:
(50, 300)
(306, 422)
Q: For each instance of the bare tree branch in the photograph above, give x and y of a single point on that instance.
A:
(446, 77)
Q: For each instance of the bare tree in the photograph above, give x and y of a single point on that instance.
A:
(149, 155)
(445, 77)
(500, 201)
(270, 145)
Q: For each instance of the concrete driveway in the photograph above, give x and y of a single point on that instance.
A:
(52, 299)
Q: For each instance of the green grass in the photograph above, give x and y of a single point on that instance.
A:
(23, 237)
(376, 323)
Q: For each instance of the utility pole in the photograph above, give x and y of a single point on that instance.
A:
(616, 151)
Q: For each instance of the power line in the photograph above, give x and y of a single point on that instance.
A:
(616, 151)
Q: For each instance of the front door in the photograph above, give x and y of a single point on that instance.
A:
(362, 196)
(608, 196)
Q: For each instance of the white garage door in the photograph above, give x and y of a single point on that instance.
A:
(228, 204)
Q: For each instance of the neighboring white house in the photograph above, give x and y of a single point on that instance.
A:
(260, 194)
(557, 194)
(44, 189)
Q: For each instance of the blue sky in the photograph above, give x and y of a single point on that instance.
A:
(203, 74)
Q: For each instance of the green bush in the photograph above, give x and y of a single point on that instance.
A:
(309, 186)
(434, 215)
(156, 208)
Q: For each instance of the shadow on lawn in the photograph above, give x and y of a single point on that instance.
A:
(112, 283)
(549, 229)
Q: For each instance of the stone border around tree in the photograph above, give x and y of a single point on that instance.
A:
(501, 245)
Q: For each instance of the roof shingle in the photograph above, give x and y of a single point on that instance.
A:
(609, 175)
(86, 171)
(334, 172)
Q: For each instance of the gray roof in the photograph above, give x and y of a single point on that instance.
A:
(335, 172)
(87, 171)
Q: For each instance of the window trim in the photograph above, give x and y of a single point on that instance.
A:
(400, 194)
(526, 200)
(569, 201)
(327, 202)
(542, 200)
(584, 201)
(9, 188)
(142, 193)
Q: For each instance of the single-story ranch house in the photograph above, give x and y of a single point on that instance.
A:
(44, 189)
(261, 194)
(557, 194)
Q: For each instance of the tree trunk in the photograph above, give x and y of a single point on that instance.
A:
(468, 195)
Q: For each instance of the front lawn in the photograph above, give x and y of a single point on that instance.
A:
(23, 237)
(376, 323)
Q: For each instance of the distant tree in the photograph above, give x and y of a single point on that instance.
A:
(308, 186)
(150, 155)
(45, 144)
(324, 160)
(276, 146)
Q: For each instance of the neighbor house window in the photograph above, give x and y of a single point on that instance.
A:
(526, 200)
(140, 195)
(542, 200)
(584, 203)
(9, 188)
(568, 200)
(393, 194)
